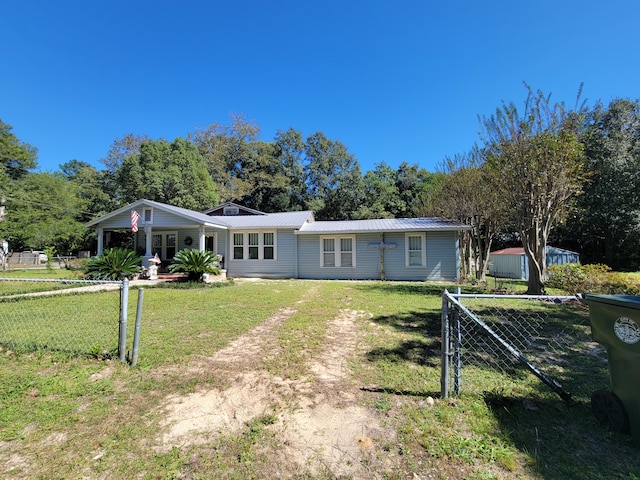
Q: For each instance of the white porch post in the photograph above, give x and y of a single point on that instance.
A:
(201, 244)
(147, 233)
(100, 234)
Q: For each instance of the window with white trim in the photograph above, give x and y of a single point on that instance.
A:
(415, 250)
(147, 215)
(254, 246)
(337, 252)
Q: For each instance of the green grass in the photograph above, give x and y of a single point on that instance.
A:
(69, 417)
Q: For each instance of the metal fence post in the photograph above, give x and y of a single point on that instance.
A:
(122, 334)
(457, 348)
(136, 331)
(444, 362)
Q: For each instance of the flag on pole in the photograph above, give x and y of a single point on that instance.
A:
(135, 216)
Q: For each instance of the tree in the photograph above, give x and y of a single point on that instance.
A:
(172, 173)
(16, 157)
(607, 224)
(289, 148)
(225, 149)
(93, 188)
(122, 148)
(467, 194)
(382, 198)
(335, 182)
(537, 157)
(265, 175)
(42, 210)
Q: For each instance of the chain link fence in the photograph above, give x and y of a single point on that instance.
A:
(550, 336)
(71, 317)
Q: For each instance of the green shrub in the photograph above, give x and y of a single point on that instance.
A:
(595, 278)
(195, 263)
(114, 264)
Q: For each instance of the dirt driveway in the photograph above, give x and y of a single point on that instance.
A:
(321, 425)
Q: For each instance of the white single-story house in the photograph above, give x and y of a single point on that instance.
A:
(292, 244)
(513, 262)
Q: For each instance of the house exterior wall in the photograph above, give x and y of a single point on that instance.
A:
(367, 260)
(441, 251)
(442, 258)
(283, 267)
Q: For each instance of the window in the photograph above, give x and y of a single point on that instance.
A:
(337, 252)
(268, 248)
(231, 211)
(147, 215)
(164, 244)
(415, 251)
(254, 246)
(238, 246)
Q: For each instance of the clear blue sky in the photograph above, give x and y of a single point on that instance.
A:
(393, 81)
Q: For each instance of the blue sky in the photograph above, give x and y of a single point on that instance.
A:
(393, 81)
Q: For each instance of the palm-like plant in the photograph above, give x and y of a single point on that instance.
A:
(196, 263)
(114, 264)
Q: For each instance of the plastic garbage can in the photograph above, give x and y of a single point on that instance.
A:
(615, 324)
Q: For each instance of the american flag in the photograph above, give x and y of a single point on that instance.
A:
(135, 216)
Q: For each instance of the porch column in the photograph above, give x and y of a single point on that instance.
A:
(201, 244)
(100, 234)
(147, 233)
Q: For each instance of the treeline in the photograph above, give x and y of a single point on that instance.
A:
(207, 167)
(582, 167)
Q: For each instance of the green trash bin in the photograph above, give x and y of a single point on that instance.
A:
(615, 324)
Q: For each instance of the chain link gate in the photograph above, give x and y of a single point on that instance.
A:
(501, 332)
(72, 317)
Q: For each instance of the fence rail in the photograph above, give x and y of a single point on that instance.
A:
(504, 333)
(73, 317)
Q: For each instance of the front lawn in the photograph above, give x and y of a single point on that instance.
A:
(67, 417)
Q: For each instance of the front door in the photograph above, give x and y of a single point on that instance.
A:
(164, 244)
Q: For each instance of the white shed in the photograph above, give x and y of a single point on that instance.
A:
(513, 262)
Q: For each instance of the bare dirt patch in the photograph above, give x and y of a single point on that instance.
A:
(321, 425)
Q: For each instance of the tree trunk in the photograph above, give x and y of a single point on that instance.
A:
(535, 247)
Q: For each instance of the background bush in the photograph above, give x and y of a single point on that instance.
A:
(593, 278)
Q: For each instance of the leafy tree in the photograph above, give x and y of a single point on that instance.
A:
(42, 209)
(382, 198)
(16, 157)
(195, 262)
(537, 157)
(225, 149)
(267, 178)
(92, 187)
(467, 194)
(335, 181)
(114, 264)
(172, 173)
(607, 225)
(122, 148)
(289, 148)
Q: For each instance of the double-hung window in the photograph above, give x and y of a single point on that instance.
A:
(254, 246)
(337, 252)
(415, 250)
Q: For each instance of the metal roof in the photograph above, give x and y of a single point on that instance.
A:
(382, 225)
(520, 251)
(270, 220)
(301, 221)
